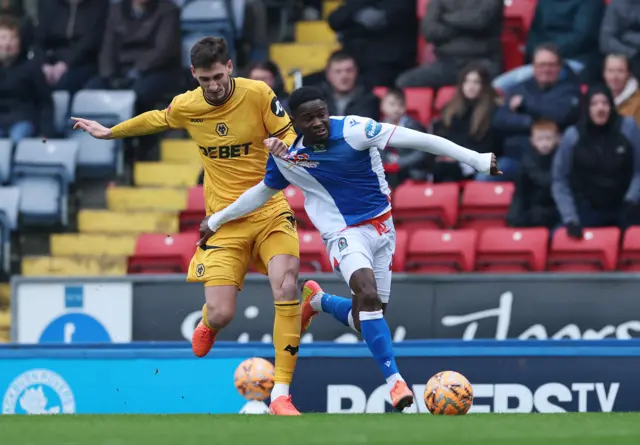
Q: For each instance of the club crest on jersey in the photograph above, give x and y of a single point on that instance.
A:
(222, 129)
(342, 244)
(372, 129)
(318, 148)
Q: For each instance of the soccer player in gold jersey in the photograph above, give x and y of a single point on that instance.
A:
(235, 122)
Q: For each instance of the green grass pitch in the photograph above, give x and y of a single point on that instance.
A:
(324, 429)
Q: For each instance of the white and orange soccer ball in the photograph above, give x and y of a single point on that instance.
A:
(448, 393)
(254, 378)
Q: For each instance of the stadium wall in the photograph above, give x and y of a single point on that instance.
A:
(165, 378)
(476, 306)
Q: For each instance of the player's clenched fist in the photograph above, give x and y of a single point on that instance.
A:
(276, 147)
(494, 171)
(92, 127)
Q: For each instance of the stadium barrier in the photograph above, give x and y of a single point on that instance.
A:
(508, 376)
(477, 306)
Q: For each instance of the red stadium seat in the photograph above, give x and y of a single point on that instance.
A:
(425, 205)
(630, 254)
(380, 91)
(512, 250)
(442, 251)
(512, 51)
(422, 8)
(419, 102)
(518, 15)
(157, 253)
(443, 97)
(485, 204)
(400, 257)
(195, 212)
(313, 254)
(296, 201)
(597, 251)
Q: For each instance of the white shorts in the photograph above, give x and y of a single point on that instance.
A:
(362, 247)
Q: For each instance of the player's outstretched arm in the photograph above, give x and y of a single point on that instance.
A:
(250, 200)
(143, 124)
(406, 138)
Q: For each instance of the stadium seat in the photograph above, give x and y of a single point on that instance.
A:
(419, 102)
(424, 205)
(109, 107)
(179, 151)
(9, 206)
(164, 174)
(43, 172)
(314, 32)
(202, 18)
(91, 244)
(106, 221)
(296, 201)
(37, 266)
(485, 204)
(61, 110)
(443, 97)
(194, 213)
(400, 256)
(328, 6)
(630, 253)
(442, 251)
(6, 152)
(597, 251)
(146, 198)
(421, 9)
(518, 15)
(308, 58)
(157, 253)
(512, 250)
(313, 254)
(380, 91)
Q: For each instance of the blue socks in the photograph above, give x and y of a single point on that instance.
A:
(375, 331)
(339, 307)
(377, 335)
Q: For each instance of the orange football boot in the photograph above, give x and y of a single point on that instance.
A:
(309, 289)
(401, 395)
(202, 340)
(283, 406)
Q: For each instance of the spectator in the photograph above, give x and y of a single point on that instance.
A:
(596, 173)
(26, 106)
(401, 163)
(548, 95)
(532, 204)
(466, 120)
(269, 73)
(141, 50)
(67, 41)
(344, 94)
(620, 31)
(381, 34)
(461, 31)
(623, 86)
(571, 25)
(16, 9)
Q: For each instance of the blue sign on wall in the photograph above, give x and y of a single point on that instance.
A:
(509, 376)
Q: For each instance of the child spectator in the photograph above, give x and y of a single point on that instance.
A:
(533, 204)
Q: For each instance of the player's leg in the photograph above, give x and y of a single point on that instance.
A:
(217, 312)
(221, 266)
(278, 248)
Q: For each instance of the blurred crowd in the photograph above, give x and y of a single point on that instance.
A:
(564, 125)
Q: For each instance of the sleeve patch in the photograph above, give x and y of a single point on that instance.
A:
(372, 129)
(276, 107)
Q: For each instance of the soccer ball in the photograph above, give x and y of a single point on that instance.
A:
(254, 378)
(448, 393)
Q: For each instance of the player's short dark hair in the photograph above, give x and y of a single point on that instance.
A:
(9, 22)
(397, 93)
(340, 56)
(208, 51)
(303, 95)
